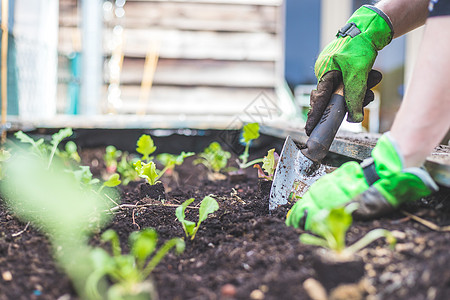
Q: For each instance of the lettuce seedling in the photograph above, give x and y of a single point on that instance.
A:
(145, 146)
(128, 271)
(250, 132)
(84, 176)
(111, 156)
(70, 152)
(169, 161)
(147, 171)
(127, 170)
(113, 180)
(42, 149)
(213, 157)
(207, 206)
(331, 226)
(269, 166)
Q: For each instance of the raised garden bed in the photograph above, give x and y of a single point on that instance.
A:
(240, 252)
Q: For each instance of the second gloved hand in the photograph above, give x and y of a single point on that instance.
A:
(378, 185)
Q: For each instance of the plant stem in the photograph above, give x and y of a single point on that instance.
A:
(158, 256)
(369, 238)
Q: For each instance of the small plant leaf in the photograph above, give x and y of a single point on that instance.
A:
(213, 157)
(188, 226)
(4, 155)
(313, 240)
(112, 237)
(145, 146)
(270, 162)
(147, 171)
(208, 206)
(250, 132)
(143, 243)
(113, 180)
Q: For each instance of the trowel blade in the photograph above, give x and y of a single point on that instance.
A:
(294, 173)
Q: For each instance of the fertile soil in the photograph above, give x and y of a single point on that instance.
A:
(241, 251)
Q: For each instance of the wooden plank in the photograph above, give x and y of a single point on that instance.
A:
(234, 2)
(189, 16)
(194, 16)
(192, 100)
(209, 72)
(192, 44)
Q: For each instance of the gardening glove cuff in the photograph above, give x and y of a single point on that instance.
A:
(390, 184)
(349, 59)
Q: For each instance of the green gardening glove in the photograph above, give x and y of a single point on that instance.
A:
(349, 59)
(378, 186)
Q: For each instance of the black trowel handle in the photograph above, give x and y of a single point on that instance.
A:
(322, 136)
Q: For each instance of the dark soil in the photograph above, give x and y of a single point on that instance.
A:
(241, 252)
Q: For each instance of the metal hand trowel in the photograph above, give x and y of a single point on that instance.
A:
(298, 169)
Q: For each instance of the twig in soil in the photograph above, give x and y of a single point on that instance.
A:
(426, 223)
(134, 220)
(125, 206)
(234, 194)
(22, 231)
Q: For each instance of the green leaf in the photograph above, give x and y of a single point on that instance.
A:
(61, 135)
(113, 180)
(309, 239)
(143, 243)
(188, 226)
(145, 146)
(208, 206)
(269, 164)
(84, 176)
(250, 132)
(168, 160)
(4, 155)
(147, 171)
(213, 157)
(38, 146)
(56, 139)
(112, 237)
(339, 222)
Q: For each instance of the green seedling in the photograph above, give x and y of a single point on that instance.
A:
(84, 176)
(208, 206)
(250, 132)
(43, 150)
(269, 166)
(113, 180)
(127, 170)
(331, 228)
(111, 156)
(213, 157)
(147, 171)
(69, 153)
(55, 204)
(129, 271)
(169, 161)
(146, 147)
(5, 155)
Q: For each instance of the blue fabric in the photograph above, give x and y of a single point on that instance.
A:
(439, 8)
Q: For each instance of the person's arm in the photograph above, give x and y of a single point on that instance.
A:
(424, 116)
(405, 15)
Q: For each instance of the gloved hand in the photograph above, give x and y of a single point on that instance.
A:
(348, 59)
(378, 185)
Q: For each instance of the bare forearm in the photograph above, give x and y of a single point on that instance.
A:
(405, 15)
(423, 119)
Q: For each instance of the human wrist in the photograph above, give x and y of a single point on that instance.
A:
(374, 25)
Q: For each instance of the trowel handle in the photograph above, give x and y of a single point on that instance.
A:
(323, 134)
